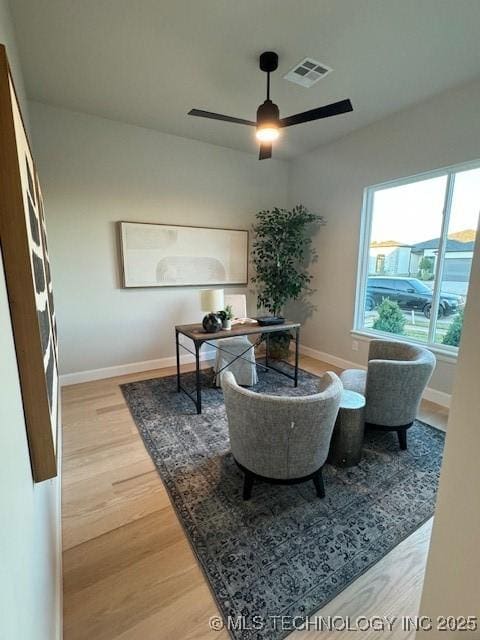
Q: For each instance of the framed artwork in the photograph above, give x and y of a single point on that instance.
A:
(162, 255)
(23, 241)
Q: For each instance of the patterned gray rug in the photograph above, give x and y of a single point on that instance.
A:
(285, 552)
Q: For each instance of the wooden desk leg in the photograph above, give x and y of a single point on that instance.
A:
(178, 361)
(297, 344)
(197, 378)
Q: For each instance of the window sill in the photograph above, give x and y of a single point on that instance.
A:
(442, 354)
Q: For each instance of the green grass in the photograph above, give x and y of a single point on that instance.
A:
(419, 330)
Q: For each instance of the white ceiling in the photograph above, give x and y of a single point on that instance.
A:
(148, 62)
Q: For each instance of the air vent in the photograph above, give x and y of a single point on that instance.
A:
(307, 72)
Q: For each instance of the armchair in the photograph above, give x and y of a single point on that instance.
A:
(279, 439)
(393, 385)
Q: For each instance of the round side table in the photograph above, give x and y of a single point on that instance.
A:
(347, 439)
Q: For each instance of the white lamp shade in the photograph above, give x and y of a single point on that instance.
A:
(212, 300)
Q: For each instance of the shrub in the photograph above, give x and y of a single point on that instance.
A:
(390, 317)
(426, 268)
(454, 333)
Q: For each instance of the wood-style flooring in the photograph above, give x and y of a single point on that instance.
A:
(129, 572)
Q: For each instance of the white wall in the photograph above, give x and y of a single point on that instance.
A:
(30, 586)
(452, 584)
(331, 181)
(7, 38)
(96, 172)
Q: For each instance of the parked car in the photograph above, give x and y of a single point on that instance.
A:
(409, 293)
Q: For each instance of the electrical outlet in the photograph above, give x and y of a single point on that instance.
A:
(354, 345)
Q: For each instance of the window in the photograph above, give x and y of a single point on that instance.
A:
(380, 265)
(418, 239)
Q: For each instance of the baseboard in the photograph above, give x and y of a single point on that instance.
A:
(132, 367)
(328, 357)
(439, 397)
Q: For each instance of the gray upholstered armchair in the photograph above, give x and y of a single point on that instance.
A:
(281, 439)
(393, 385)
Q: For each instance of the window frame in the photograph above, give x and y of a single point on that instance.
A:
(359, 330)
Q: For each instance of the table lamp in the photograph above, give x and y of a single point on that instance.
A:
(212, 301)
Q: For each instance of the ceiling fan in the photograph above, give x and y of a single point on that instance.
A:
(269, 123)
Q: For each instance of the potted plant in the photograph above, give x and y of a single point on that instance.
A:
(226, 316)
(281, 255)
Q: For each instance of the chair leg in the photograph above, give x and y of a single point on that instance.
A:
(247, 486)
(318, 482)
(402, 439)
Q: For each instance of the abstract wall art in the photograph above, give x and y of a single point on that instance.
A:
(23, 241)
(160, 255)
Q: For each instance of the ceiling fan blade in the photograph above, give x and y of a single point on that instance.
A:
(219, 116)
(334, 109)
(265, 151)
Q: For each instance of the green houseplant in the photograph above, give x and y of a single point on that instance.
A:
(226, 316)
(282, 252)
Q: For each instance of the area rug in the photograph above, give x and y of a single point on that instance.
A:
(285, 553)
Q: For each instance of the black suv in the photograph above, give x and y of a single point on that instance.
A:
(410, 293)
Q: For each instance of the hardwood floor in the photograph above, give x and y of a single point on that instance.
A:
(129, 572)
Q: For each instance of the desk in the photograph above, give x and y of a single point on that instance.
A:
(199, 337)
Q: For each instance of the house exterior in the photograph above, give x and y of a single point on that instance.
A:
(391, 257)
(457, 266)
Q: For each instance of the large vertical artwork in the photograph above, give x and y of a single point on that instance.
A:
(23, 241)
(45, 306)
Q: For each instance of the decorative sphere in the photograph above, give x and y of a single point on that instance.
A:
(212, 323)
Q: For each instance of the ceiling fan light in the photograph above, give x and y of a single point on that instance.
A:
(268, 116)
(267, 133)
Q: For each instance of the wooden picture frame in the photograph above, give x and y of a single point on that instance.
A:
(166, 255)
(29, 287)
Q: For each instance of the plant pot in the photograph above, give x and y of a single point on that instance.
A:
(227, 324)
(278, 345)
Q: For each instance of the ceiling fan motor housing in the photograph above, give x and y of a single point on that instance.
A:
(268, 113)
(268, 61)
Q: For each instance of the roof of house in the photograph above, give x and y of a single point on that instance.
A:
(452, 245)
(467, 235)
(389, 243)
